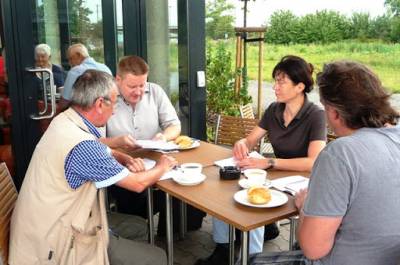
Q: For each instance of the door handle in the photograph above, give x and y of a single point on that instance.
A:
(40, 115)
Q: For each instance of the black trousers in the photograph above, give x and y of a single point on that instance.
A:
(129, 202)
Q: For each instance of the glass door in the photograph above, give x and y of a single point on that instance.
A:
(37, 34)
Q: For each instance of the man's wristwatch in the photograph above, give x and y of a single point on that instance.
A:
(271, 163)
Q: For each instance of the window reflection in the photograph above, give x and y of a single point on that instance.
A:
(86, 26)
(162, 45)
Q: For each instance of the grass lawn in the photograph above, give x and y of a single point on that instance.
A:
(383, 58)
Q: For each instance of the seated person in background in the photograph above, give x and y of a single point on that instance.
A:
(297, 131)
(143, 111)
(43, 60)
(350, 213)
(62, 195)
(80, 61)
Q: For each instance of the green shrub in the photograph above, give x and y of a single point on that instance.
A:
(221, 98)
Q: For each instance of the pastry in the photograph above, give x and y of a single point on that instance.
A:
(184, 141)
(258, 195)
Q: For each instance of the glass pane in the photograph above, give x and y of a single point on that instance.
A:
(162, 45)
(120, 30)
(45, 25)
(86, 26)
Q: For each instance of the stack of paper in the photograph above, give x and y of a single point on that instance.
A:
(158, 145)
(291, 184)
(231, 162)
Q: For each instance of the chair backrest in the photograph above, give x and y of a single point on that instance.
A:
(330, 137)
(246, 111)
(8, 197)
(230, 129)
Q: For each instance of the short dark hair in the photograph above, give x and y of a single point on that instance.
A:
(357, 94)
(297, 69)
(132, 64)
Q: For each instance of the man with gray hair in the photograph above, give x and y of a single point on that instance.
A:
(62, 195)
(80, 61)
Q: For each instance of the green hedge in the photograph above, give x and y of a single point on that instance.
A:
(329, 26)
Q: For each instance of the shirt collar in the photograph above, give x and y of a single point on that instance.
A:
(303, 110)
(92, 129)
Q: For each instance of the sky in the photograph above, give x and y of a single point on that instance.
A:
(260, 10)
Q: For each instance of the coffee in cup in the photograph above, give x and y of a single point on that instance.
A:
(255, 177)
(191, 169)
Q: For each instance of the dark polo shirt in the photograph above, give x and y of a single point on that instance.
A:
(292, 141)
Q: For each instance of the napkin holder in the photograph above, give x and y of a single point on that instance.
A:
(229, 173)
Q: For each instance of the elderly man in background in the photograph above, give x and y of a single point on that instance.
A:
(80, 61)
(62, 195)
(350, 213)
(143, 112)
(43, 60)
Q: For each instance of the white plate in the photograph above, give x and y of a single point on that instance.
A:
(195, 143)
(191, 181)
(278, 199)
(243, 183)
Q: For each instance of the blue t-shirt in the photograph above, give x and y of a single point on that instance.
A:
(77, 71)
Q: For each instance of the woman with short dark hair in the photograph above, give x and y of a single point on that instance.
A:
(296, 129)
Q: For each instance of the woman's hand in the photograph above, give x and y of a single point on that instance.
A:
(240, 150)
(251, 162)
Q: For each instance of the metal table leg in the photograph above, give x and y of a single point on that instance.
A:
(231, 245)
(292, 235)
(245, 247)
(183, 226)
(170, 239)
(150, 214)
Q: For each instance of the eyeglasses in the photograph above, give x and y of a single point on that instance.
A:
(108, 100)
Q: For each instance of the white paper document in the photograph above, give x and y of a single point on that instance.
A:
(157, 145)
(149, 164)
(291, 184)
(232, 162)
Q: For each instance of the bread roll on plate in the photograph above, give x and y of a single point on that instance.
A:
(184, 141)
(258, 195)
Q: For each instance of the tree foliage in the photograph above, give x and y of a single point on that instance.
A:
(221, 96)
(79, 16)
(219, 19)
(329, 26)
(394, 6)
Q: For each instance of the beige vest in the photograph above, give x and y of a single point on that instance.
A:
(52, 223)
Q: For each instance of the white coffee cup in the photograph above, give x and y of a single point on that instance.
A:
(255, 176)
(191, 169)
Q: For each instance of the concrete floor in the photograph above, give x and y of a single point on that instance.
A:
(199, 244)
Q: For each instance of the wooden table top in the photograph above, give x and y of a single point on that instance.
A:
(215, 196)
(205, 154)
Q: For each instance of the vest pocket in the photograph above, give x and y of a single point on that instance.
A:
(72, 247)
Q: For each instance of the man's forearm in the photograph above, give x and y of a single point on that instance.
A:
(171, 132)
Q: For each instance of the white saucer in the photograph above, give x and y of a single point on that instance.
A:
(243, 183)
(190, 181)
(277, 199)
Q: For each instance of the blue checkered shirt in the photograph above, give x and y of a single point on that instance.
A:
(90, 160)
